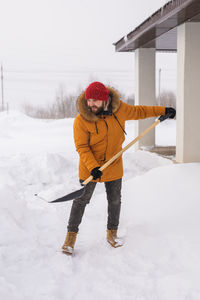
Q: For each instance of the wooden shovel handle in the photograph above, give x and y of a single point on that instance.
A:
(123, 150)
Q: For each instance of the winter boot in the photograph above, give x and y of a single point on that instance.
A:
(68, 247)
(113, 239)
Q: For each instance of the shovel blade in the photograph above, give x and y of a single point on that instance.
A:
(71, 196)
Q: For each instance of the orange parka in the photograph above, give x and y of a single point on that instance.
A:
(98, 138)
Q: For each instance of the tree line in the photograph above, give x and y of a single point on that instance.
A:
(65, 105)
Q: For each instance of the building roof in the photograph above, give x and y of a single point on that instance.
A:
(160, 29)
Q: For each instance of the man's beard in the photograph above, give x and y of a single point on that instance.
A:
(98, 110)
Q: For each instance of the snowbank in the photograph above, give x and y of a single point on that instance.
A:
(159, 222)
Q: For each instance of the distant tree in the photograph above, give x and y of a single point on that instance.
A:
(167, 98)
(64, 106)
(130, 99)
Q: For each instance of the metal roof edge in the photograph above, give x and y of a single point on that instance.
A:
(159, 16)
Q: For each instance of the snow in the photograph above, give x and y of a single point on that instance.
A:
(159, 223)
(168, 129)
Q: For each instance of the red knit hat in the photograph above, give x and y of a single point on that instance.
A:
(97, 90)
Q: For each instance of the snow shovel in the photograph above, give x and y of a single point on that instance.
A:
(80, 193)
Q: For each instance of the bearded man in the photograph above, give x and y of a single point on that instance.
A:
(99, 130)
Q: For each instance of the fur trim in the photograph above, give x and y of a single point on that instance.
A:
(90, 116)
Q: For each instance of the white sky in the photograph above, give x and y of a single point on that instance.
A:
(58, 35)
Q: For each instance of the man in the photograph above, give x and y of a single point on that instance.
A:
(98, 136)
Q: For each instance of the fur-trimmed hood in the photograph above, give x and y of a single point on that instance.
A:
(90, 116)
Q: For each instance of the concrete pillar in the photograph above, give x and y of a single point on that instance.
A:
(188, 93)
(145, 90)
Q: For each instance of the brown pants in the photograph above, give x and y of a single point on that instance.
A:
(113, 191)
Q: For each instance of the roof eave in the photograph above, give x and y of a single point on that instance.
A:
(161, 22)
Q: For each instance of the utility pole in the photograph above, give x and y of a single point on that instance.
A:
(2, 92)
(159, 87)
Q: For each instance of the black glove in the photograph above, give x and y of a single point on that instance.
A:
(96, 173)
(170, 111)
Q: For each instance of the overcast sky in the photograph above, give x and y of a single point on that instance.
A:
(69, 35)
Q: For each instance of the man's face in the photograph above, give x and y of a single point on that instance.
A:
(95, 105)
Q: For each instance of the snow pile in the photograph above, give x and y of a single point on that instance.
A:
(159, 221)
(166, 134)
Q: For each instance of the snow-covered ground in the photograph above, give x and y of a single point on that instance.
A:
(160, 221)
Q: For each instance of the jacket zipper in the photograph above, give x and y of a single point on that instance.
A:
(96, 128)
(107, 139)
